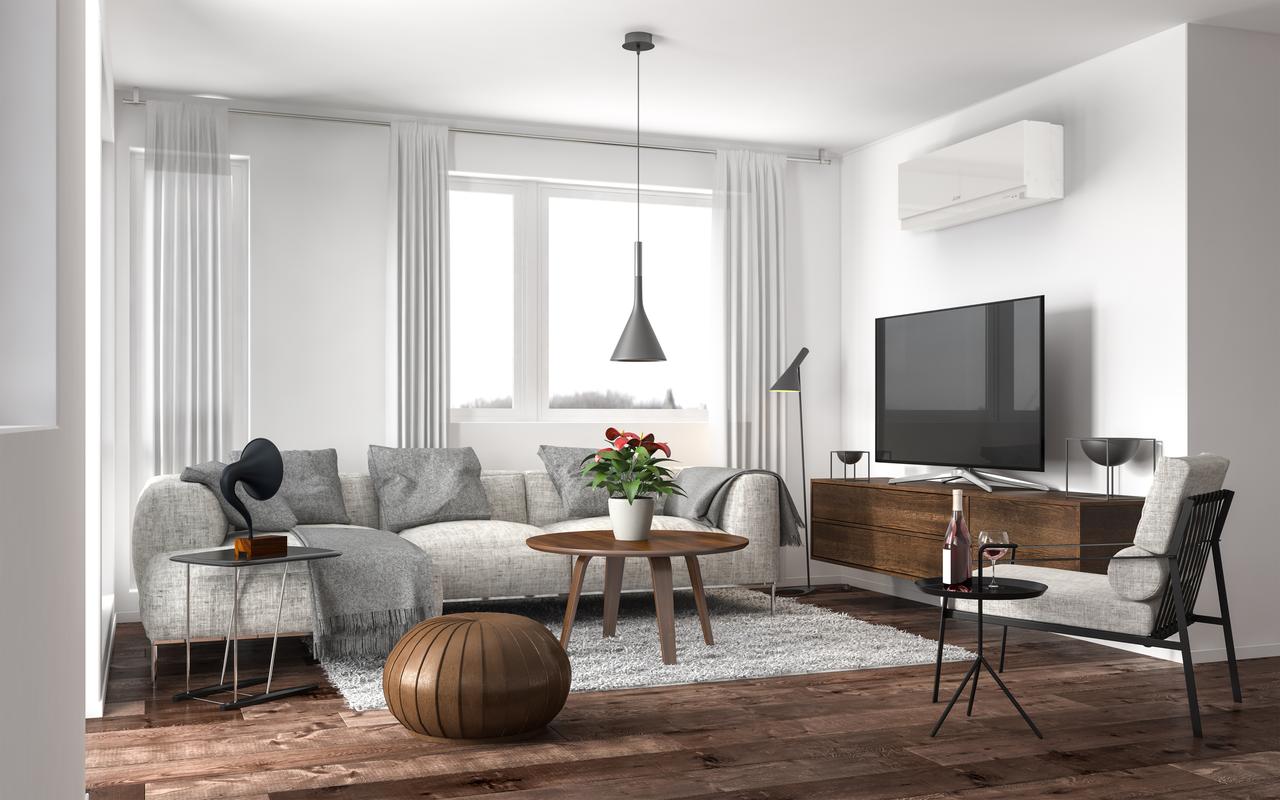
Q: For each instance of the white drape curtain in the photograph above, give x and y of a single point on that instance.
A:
(419, 285)
(749, 215)
(195, 292)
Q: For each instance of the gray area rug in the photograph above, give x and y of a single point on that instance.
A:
(750, 643)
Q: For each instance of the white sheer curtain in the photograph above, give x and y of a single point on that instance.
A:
(195, 293)
(748, 213)
(419, 283)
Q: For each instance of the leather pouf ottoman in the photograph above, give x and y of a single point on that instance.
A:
(476, 677)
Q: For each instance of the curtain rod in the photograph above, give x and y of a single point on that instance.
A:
(818, 159)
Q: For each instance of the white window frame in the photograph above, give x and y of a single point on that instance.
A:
(524, 300)
(531, 383)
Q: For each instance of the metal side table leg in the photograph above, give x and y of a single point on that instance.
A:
(275, 637)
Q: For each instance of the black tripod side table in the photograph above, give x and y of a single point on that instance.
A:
(1007, 589)
(226, 557)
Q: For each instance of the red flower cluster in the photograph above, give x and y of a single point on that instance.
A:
(624, 439)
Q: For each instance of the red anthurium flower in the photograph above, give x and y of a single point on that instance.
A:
(620, 442)
(612, 433)
(652, 447)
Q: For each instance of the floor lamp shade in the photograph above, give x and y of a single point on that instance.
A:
(789, 380)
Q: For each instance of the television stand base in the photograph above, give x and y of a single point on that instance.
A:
(983, 480)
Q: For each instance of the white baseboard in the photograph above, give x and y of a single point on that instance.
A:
(95, 710)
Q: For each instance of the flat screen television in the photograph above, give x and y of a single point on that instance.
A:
(962, 387)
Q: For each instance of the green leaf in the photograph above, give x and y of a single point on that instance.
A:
(632, 488)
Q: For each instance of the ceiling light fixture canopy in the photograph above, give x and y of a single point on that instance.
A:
(638, 341)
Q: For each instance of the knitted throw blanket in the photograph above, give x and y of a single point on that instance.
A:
(370, 596)
(707, 488)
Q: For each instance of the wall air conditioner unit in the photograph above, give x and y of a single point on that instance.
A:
(1014, 167)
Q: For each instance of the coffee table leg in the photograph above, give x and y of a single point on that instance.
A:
(613, 568)
(575, 589)
(699, 597)
(664, 604)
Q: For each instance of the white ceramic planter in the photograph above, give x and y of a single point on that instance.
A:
(631, 521)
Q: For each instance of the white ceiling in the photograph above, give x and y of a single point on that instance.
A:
(799, 73)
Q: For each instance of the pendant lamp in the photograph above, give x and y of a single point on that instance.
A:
(638, 341)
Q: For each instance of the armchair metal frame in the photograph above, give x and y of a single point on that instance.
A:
(1197, 535)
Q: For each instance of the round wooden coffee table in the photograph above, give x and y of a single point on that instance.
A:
(659, 548)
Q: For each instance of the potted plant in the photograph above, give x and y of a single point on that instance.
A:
(633, 473)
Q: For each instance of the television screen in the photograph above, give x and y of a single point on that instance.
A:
(962, 387)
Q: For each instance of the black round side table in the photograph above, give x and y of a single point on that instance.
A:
(980, 589)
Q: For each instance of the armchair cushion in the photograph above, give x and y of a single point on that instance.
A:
(1137, 578)
(1176, 479)
(1081, 599)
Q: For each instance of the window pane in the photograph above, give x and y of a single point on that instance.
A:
(482, 299)
(589, 243)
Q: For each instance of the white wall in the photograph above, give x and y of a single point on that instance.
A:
(1110, 258)
(28, 216)
(1233, 289)
(813, 321)
(42, 473)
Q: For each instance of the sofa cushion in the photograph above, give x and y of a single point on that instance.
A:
(1176, 479)
(489, 559)
(421, 485)
(564, 465)
(505, 490)
(272, 514)
(660, 523)
(360, 499)
(1136, 578)
(1082, 599)
(542, 499)
(312, 488)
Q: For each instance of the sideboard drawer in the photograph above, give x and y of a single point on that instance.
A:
(906, 554)
(917, 512)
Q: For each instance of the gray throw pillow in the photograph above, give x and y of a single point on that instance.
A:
(564, 466)
(312, 487)
(422, 485)
(268, 515)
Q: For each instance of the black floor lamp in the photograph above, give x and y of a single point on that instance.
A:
(789, 381)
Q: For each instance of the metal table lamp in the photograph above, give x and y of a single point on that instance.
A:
(261, 470)
(789, 381)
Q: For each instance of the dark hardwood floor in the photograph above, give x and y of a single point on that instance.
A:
(1115, 726)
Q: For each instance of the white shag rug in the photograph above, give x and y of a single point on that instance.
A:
(750, 643)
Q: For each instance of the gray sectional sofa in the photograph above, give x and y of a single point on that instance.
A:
(474, 559)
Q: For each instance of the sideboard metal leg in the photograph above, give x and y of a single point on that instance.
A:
(773, 597)
(155, 658)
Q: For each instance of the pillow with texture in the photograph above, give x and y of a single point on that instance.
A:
(312, 487)
(422, 485)
(272, 515)
(564, 466)
(1137, 578)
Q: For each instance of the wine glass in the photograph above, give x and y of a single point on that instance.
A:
(993, 554)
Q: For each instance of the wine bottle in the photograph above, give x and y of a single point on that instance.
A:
(957, 567)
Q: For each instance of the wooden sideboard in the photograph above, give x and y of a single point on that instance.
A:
(898, 530)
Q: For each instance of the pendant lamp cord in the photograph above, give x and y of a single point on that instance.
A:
(637, 144)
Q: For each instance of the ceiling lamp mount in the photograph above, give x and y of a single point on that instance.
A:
(638, 341)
